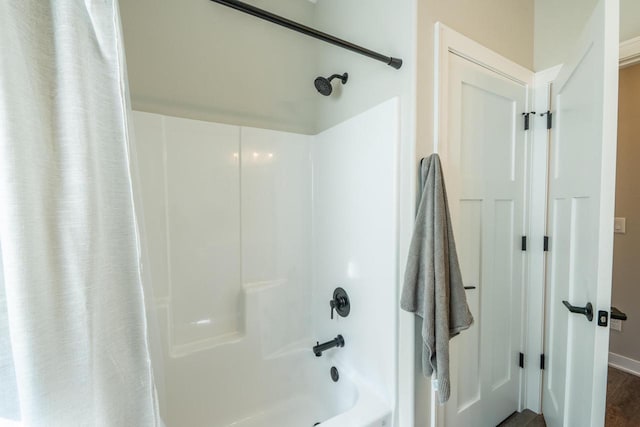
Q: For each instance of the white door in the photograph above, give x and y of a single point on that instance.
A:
(485, 169)
(580, 224)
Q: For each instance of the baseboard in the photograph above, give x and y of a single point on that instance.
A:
(624, 364)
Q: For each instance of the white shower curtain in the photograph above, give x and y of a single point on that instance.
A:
(73, 334)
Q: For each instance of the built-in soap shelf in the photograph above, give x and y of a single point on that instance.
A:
(267, 329)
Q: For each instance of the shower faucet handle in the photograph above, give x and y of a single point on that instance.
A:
(340, 303)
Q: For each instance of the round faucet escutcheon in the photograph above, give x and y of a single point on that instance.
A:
(340, 303)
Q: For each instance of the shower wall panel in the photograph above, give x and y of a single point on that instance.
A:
(203, 218)
(355, 233)
(249, 232)
(149, 135)
(227, 217)
(276, 233)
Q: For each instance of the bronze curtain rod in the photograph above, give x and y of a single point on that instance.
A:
(311, 32)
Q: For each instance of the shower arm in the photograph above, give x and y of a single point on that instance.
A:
(343, 77)
(311, 32)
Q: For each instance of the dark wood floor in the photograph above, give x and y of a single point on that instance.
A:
(525, 418)
(623, 404)
(623, 399)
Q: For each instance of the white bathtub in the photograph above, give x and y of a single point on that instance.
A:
(341, 404)
(369, 410)
(235, 383)
(292, 390)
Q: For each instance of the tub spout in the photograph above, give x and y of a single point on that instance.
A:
(336, 342)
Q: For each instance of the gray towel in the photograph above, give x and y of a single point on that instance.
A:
(433, 286)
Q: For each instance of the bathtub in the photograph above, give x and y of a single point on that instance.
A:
(292, 390)
(322, 402)
(369, 410)
(244, 381)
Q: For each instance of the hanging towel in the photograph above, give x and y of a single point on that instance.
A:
(433, 287)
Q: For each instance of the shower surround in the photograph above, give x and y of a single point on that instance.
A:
(249, 231)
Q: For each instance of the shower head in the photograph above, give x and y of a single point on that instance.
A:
(323, 84)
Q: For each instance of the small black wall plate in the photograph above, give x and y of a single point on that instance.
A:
(342, 305)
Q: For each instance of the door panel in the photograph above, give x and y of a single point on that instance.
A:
(485, 170)
(502, 350)
(581, 195)
(467, 388)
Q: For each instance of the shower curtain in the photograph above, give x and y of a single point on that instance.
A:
(73, 333)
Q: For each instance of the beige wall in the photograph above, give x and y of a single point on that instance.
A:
(387, 28)
(201, 60)
(505, 26)
(205, 61)
(626, 269)
(629, 19)
(558, 24)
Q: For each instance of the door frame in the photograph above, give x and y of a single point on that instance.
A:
(535, 320)
(449, 41)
